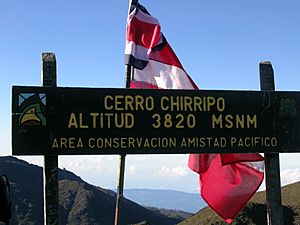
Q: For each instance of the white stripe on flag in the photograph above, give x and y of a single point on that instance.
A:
(139, 52)
(164, 76)
(259, 165)
(143, 17)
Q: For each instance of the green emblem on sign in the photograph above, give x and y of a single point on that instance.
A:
(32, 109)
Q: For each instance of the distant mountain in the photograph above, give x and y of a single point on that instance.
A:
(167, 199)
(255, 211)
(80, 202)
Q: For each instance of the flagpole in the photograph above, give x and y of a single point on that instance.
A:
(119, 200)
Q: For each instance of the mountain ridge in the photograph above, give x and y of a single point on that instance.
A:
(80, 202)
(83, 203)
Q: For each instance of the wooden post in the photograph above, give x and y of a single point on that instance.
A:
(272, 170)
(51, 197)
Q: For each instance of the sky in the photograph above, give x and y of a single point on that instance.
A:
(219, 43)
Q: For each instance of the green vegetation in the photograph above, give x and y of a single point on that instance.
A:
(255, 211)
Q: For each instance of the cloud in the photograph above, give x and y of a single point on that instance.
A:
(132, 169)
(287, 176)
(289, 160)
(290, 176)
(177, 171)
(35, 160)
(163, 168)
(92, 164)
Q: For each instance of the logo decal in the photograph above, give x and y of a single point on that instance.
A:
(32, 109)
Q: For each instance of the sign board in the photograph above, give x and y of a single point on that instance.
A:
(81, 121)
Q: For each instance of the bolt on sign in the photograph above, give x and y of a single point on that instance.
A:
(81, 121)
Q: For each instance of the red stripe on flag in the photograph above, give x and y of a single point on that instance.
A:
(143, 34)
(227, 188)
(166, 55)
(237, 157)
(142, 85)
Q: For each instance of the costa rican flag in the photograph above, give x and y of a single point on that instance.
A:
(227, 181)
(147, 50)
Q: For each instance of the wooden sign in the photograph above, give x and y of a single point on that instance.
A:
(81, 121)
